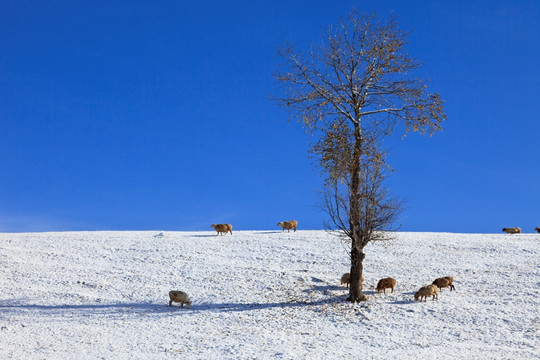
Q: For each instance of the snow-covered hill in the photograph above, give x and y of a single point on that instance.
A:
(265, 294)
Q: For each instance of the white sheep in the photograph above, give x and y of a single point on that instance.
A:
(179, 296)
(346, 279)
(426, 291)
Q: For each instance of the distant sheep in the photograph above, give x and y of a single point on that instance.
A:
(346, 279)
(291, 224)
(222, 228)
(512, 230)
(179, 296)
(537, 230)
(387, 283)
(426, 291)
(447, 281)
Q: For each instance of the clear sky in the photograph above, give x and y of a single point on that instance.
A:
(144, 115)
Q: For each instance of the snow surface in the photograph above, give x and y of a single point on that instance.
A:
(265, 294)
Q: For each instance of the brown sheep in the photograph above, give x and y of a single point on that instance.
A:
(346, 279)
(426, 291)
(179, 296)
(537, 229)
(387, 283)
(443, 282)
(291, 224)
(512, 230)
(222, 228)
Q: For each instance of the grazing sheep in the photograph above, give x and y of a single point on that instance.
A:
(512, 230)
(443, 282)
(426, 291)
(222, 228)
(537, 230)
(387, 283)
(346, 279)
(291, 224)
(179, 296)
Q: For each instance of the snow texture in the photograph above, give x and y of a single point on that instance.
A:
(265, 295)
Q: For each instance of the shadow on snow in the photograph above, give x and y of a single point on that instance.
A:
(159, 308)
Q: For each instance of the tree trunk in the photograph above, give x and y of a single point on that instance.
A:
(357, 258)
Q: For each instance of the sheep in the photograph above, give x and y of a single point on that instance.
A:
(179, 296)
(346, 279)
(387, 283)
(222, 228)
(443, 282)
(512, 230)
(291, 224)
(537, 229)
(426, 291)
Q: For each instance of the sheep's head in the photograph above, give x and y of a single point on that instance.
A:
(416, 296)
(280, 223)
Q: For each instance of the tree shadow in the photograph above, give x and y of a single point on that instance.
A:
(144, 309)
(239, 307)
(98, 308)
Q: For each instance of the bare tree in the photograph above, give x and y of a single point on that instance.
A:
(353, 90)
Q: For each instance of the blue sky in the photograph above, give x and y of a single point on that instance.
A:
(134, 115)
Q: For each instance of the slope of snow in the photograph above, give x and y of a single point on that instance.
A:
(265, 294)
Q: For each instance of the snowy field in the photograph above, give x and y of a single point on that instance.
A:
(265, 295)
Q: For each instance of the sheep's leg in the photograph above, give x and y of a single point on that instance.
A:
(170, 303)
